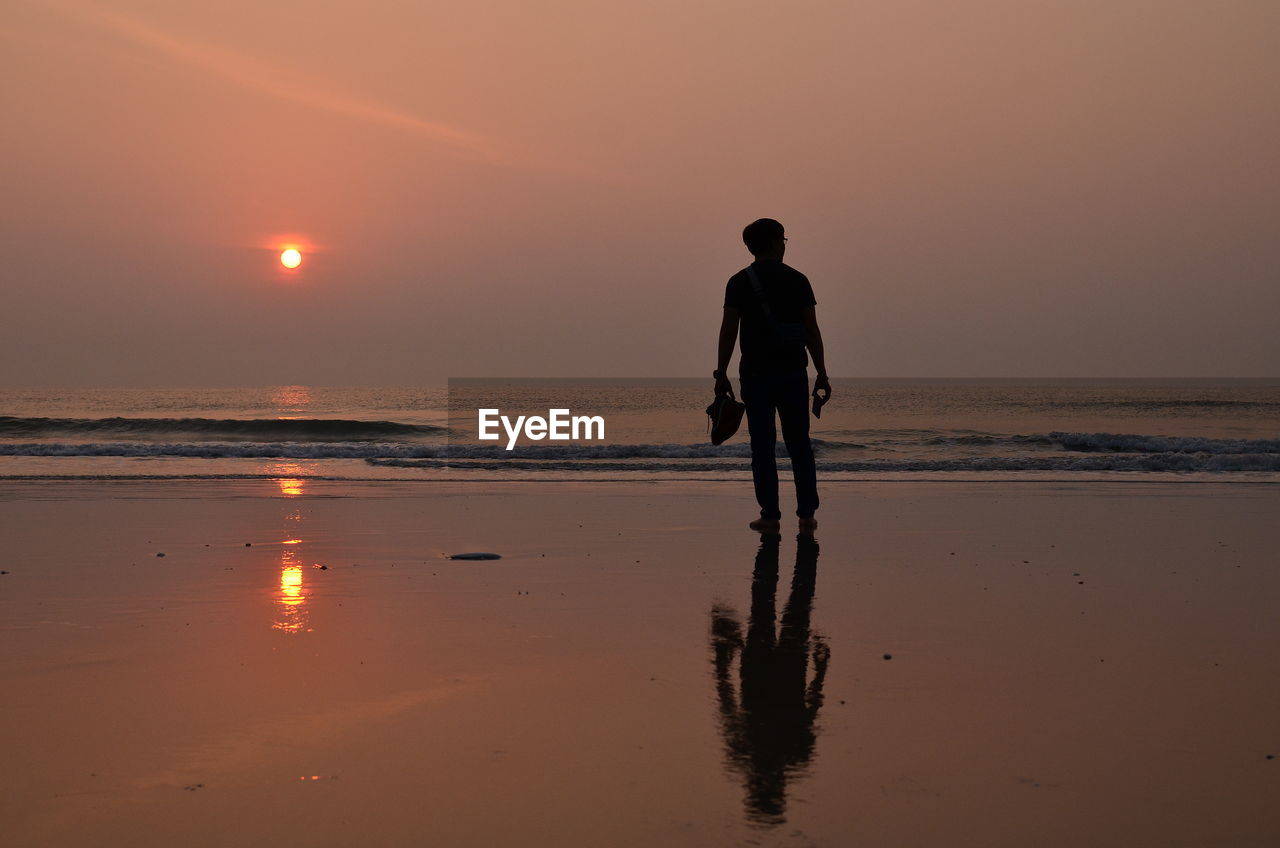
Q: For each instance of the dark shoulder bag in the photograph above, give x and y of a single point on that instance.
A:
(785, 333)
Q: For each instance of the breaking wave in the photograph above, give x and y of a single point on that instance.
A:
(374, 450)
(283, 429)
(1122, 443)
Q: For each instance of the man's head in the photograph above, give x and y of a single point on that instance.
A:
(765, 238)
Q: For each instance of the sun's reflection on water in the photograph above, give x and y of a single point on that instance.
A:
(291, 600)
(289, 477)
(291, 399)
(290, 488)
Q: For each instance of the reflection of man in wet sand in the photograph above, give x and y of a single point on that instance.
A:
(768, 722)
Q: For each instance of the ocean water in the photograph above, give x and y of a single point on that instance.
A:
(1011, 430)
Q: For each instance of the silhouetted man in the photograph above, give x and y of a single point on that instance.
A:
(774, 305)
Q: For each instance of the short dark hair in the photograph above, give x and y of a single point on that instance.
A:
(758, 234)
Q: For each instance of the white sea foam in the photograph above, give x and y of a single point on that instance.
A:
(1052, 452)
(1146, 462)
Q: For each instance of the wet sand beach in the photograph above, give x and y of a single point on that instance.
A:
(982, 664)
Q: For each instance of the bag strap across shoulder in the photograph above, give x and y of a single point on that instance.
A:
(759, 290)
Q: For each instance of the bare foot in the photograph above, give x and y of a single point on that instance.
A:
(808, 525)
(765, 525)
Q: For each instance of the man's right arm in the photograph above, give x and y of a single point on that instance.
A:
(816, 352)
(728, 337)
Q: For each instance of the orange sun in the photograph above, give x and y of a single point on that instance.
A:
(291, 258)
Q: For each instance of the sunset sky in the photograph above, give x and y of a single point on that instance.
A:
(506, 188)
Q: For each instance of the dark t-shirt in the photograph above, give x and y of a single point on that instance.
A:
(789, 295)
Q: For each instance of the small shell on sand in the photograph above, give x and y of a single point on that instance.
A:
(475, 555)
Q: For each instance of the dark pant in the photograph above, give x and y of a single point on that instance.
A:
(787, 395)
